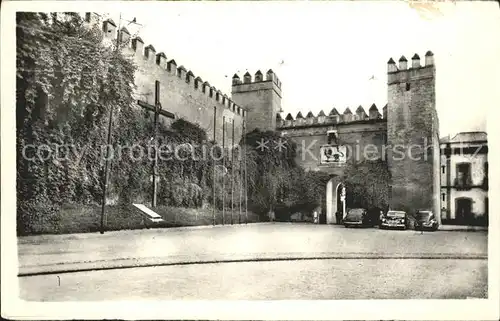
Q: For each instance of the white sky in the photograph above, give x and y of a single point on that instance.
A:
(331, 49)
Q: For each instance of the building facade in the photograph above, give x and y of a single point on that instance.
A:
(326, 142)
(464, 179)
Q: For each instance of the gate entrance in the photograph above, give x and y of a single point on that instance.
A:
(335, 201)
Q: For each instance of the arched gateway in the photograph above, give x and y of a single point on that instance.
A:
(335, 201)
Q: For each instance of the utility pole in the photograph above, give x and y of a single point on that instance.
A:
(155, 130)
(223, 167)
(106, 165)
(106, 169)
(232, 174)
(213, 163)
(245, 164)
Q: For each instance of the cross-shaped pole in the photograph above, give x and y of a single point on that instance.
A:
(156, 108)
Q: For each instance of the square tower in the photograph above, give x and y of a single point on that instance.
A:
(261, 98)
(413, 135)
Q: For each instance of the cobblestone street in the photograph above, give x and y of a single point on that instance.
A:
(299, 261)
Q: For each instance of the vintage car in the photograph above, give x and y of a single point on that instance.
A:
(425, 220)
(394, 219)
(358, 217)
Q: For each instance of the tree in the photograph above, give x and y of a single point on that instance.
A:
(66, 83)
(367, 184)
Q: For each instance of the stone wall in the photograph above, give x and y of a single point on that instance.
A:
(413, 136)
(181, 91)
(356, 135)
(261, 97)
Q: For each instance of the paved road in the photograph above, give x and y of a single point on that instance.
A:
(430, 265)
(309, 279)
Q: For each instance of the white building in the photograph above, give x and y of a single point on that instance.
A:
(464, 179)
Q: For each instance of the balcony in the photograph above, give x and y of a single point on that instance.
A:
(463, 184)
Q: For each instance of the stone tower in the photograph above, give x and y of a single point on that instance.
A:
(413, 135)
(261, 97)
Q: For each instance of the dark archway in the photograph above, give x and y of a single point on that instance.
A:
(463, 210)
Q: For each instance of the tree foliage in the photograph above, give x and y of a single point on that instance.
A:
(67, 82)
(367, 184)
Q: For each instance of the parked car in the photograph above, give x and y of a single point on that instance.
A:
(395, 219)
(425, 220)
(358, 217)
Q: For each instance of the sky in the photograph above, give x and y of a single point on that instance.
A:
(334, 54)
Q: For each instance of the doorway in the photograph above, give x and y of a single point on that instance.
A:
(463, 210)
(334, 203)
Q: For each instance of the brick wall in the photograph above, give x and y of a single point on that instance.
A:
(356, 135)
(183, 99)
(412, 129)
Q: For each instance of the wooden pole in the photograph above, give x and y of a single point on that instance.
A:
(155, 130)
(106, 165)
(223, 167)
(213, 162)
(240, 179)
(232, 174)
(245, 164)
(106, 169)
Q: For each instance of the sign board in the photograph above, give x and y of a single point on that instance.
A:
(333, 154)
(151, 215)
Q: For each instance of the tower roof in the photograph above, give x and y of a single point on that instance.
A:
(391, 62)
(310, 115)
(258, 72)
(373, 107)
(161, 54)
(347, 111)
(289, 117)
(125, 30)
(138, 39)
(415, 56)
(360, 109)
(247, 74)
(321, 113)
(403, 58)
(151, 48)
(278, 116)
(236, 76)
(172, 62)
(299, 115)
(110, 21)
(334, 112)
(429, 54)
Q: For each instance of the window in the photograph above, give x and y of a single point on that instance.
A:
(211, 92)
(196, 84)
(217, 96)
(443, 196)
(463, 175)
(332, 138)
(443, 169)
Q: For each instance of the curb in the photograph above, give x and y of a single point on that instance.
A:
(127, 263)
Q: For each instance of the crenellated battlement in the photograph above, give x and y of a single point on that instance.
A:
(148, 57)
(258, 77)
(333, 118)
(403, 73)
